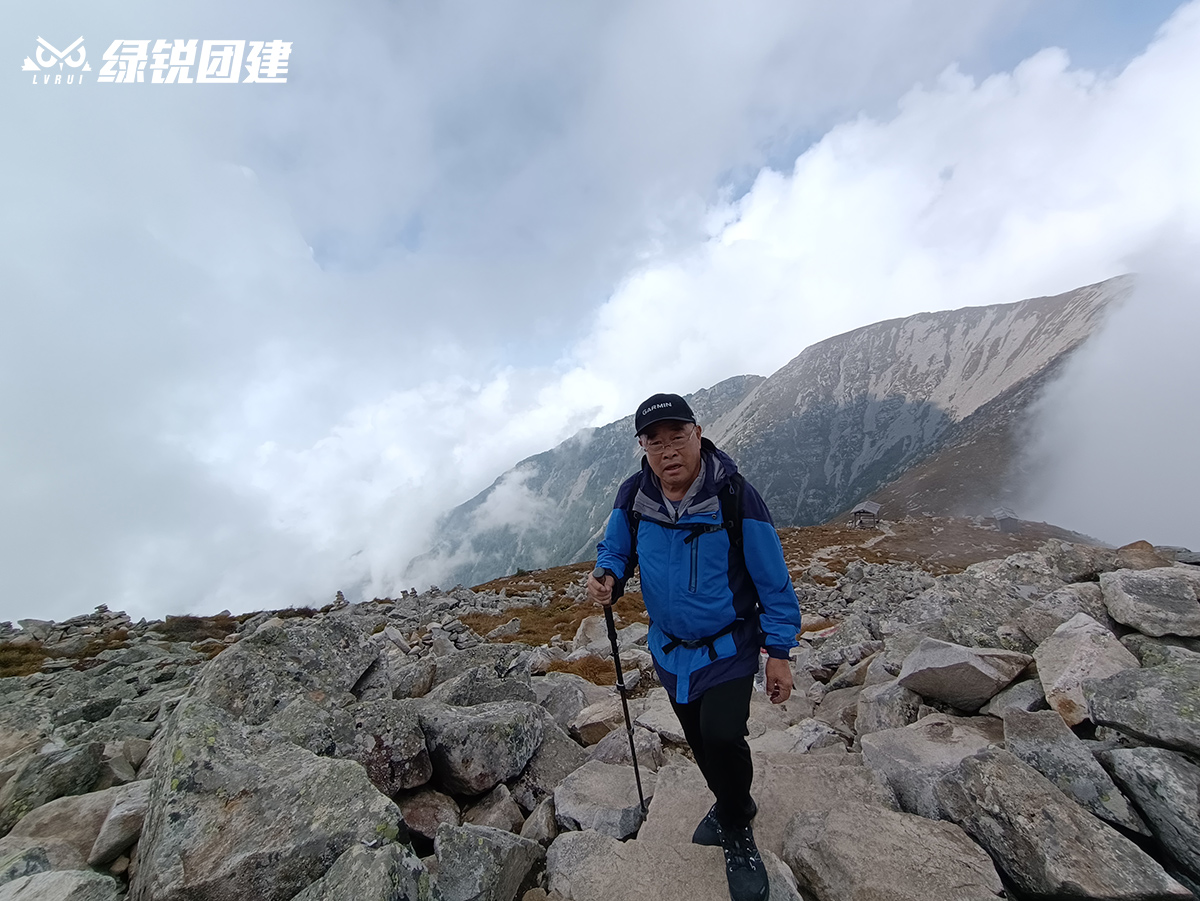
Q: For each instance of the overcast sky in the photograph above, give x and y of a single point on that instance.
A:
(257, 338)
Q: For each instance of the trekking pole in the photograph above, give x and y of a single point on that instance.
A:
(612, 637)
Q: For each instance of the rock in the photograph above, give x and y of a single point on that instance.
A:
(912, 759)
(1039, 620)
(512, 627)
(1165, 785)
(614, 748)
(283, 660)
(413, 680)
(496, 809)
(476, 863)
(1026, 695)
(1046, 845)
(861, 852)
(1043, 741)
(807, 735)
(886, 706)
(1138, 555)
(591, 630)
(589, 866)
(965, 677)
(390, 745)
(390, 873)
(849, 675)
(557, 757)
(783, 784)
(603, 797)
(223, 788)
(77, 819)
(566, 694)
(1157, 651)
(427, 809)
(25, 856)
(839, 710)
(659, 717)
(1159, 704)
(323, 729)
(67, 885)
(481, 685)
(595, 721)
(1154, 601)
(47, 776)
(541, 826)
(122, 826)
(1079, 649)
(474, 748)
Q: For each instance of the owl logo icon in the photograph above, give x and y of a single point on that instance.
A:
(48, 56)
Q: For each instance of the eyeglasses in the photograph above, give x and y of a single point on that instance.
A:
(658, 446)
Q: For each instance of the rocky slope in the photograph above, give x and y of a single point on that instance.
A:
(1029, 723)
(846, 417)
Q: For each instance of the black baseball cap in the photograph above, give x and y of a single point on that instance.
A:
(658, 407)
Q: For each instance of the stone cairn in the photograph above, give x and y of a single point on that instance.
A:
(1028, 728)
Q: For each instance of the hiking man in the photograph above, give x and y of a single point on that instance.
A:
(717, 589)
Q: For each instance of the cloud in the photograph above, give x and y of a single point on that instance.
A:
(1113, 440)
(258, 340)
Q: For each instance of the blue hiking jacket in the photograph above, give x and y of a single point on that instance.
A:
(694, 589)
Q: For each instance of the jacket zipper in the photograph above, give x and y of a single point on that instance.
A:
(695, 557)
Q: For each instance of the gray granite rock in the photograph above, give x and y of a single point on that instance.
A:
(223, 785)
(541, 825)
(1164, 601)
(1080, 649)
(474, 748)
(886, 706)
(1026, 695)
(390, 745)
(427, 809)
(967, 677)
(602, 797)
(912, 759)
(481, 685)
(69, 885)
(1165, 785)
(476, 863)
(614, 748)
(390, 873)
(862, 852)
(1159, 704)
(557, 756)
(1043, 843)
(46, 776)
(496, 809)
(1042, 740)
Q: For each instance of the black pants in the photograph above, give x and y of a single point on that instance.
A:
(715, 727)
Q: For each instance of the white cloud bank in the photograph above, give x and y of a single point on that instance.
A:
(172, 447)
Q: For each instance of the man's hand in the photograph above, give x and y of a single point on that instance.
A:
(600, 591)
(778, 680)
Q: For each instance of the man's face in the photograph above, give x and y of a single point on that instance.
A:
(676, 467)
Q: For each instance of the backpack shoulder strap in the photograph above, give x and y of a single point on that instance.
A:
(733, 508)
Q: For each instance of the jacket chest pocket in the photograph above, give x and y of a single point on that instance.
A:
(695, 563)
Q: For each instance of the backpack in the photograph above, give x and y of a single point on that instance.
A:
(732, 514)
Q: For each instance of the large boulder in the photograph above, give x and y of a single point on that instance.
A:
(603, 797)
(565, 694)
(1080, 649)
(965, 677)
(912, 759)
(480, 685)
(1045, 844)
(888, 705)
(65, 885)
(1166, 786)
(390, 745)
(474, 748)
(589, 866)
(1042, 740)
(237, 813)
(283, 660)
(806, 735)
(478, 863)
(783, 784)
(24, 856)
(496, 809)
(44, 777)
(1159, 704)
(614, 748)
(425, 810)
(863, 852)
(123, 825)
(390, 873)
(555, 759)
(1156, 602)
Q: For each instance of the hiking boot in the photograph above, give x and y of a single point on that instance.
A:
(744, 867)
(709, 830)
